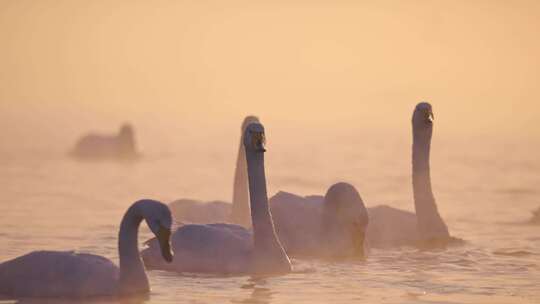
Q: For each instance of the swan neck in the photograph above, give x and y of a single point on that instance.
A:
(420, 163)
(268, 251)
(240, 214)
(430, 223)
(132, 273)
(263, 228)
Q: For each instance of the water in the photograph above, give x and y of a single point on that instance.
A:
(483, 188)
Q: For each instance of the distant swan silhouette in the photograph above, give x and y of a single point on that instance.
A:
(193, 211)
(96, 146)
(228, 248)
(333, 226)
(71, 274)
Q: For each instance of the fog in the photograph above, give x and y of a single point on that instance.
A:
(197, 66)
(334, 83)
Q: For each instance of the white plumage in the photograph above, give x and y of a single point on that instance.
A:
(229, 248)
(297, 217)
(72, 274)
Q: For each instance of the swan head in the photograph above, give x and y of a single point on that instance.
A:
(345, 214)
(423, 115)
(126, 130)
(158, 218)
(248, 120)
(254, 139)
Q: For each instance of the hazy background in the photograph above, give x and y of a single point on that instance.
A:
(195, 68)
(334, 82)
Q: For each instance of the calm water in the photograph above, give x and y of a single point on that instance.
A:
(482, 186)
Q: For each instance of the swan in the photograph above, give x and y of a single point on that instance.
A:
(72, 274)
(96, 146)
(193, 211)
(388, 226)
(333, 226)
(228, 248)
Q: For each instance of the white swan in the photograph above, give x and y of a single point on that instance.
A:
(333, 226)
(394, 227)
(71, 274)
(96, 146)
(228, 248)
(388, 226)
(193, 211)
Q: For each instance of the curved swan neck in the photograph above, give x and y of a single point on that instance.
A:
(240, 214)
(132, 273)
(430, 223)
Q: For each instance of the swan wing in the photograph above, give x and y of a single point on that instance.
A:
(297, 220)
(391, 227)
(97, 146)
(212, 248)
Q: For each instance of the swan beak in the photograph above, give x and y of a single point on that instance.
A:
(261, 149)
(164, 238)
(259, 142)
(429, 117)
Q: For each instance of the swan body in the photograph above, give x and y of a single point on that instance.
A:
(219, 248)
(391, 227)
(298, 236)
(387, 226)
(72, 274)
(228, 248)
(330, 226)
(193, 211)
(57, 273)
(97, 146)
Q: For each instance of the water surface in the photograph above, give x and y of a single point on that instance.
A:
(483, 188)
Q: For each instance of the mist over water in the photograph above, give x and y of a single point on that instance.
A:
(53, 202)
(333, 83)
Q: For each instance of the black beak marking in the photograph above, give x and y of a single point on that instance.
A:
(164, 238)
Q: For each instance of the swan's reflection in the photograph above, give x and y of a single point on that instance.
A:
(260, 292)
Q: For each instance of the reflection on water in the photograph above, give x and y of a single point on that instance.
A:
(53, 202)
(259, 293)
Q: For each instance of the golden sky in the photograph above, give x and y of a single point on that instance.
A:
(351, 64)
